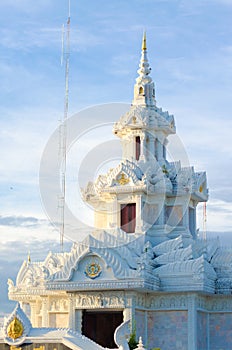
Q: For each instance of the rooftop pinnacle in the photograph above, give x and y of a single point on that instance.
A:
(144, 91)
(144, 43)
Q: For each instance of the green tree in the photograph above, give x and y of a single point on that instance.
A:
(132, 341)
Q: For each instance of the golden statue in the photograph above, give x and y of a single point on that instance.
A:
(15, 329)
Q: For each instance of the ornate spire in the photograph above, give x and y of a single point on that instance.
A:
(144, 91)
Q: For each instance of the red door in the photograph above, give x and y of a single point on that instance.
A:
(128, 217)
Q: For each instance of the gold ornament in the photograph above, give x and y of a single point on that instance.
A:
(123, 180)
(15, 329)
(93, 270)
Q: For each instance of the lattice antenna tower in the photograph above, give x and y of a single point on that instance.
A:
(63, 129)
(204, 221)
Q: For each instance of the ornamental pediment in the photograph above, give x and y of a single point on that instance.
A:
(16, 327)
(136, 117)
(126, 173)
(96, 261)
(121, 179)
(200, 184)
(92, 267)
(145, 117)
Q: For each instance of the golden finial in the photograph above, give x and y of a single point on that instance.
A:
(29, 257)
(144, 43)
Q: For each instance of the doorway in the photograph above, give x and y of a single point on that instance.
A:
(100, 326)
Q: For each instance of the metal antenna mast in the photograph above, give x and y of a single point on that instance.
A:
(63, 141)
(204, 221)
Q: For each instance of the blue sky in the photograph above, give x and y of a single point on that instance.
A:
(190, 52)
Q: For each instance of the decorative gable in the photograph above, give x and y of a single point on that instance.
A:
(124, 174)
(16, 327)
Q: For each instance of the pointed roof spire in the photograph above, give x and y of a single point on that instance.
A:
(144, 91)
(144, 42)
(29, 257)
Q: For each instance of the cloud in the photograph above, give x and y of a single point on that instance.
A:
(21, 221)
(224, 2)
(30, 38)
(218, 217)
(25, 6)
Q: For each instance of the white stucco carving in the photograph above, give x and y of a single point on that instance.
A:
(122, 335)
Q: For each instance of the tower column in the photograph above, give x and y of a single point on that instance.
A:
(71, 312)
(33, 314)
(44, 312)
(159, 150)
(129, 311)
(78, 320)
(165, 148)
(142, 154)
(138, 227)
(151, 149)
(114, 215)
(192, 322)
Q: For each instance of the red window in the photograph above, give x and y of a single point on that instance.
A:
(128, 217)
(137, 147)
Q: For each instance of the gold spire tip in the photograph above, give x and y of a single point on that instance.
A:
(144, 43)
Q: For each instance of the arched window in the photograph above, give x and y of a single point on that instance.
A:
(141, 90)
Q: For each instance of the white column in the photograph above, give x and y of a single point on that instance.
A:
(138, 225)
(161, 220)
(71, 320)
(44, 312)
(129, 311)
(151, 149)
(142, 147)
(33, 314)
(192, 322)
(78, 320)
(185, 210)
(165, 143)
(159, 149)
(114, 214)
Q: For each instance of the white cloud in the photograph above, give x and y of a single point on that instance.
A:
(225, 2)
(25, 6)
(25, 229)
(218, 217)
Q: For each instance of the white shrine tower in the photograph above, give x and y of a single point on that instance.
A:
(146, 194)
(144, 262)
